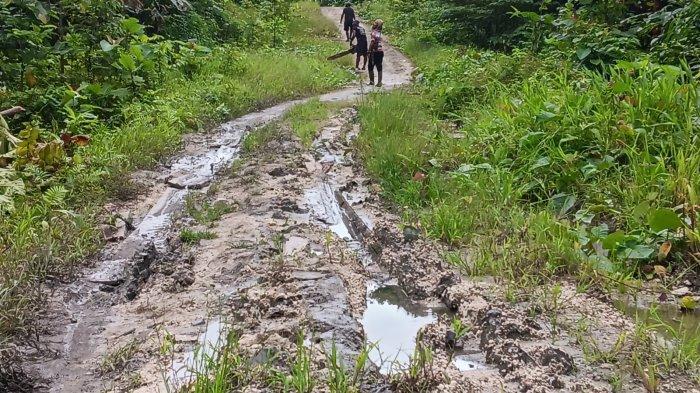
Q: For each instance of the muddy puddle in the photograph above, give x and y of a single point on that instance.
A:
(185, 370)
(469, 361)
(677, 321)
(391, 322)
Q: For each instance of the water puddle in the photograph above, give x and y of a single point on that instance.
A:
(684, 323)
(325, 208)
(194, 361)
(466, 362)
(391, 322)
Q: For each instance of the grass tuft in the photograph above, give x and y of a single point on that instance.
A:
(191, 237)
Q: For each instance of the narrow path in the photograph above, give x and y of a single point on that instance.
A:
(114, 301)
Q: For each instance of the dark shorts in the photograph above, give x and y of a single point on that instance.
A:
(361, 47)
(347, 25)
(376, 59)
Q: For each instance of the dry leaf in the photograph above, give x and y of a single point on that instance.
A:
(419, 176)
(660, 271)
(81, 140)
(664, 250)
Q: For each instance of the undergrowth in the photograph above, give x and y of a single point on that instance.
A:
(230, 367)
(555, 174)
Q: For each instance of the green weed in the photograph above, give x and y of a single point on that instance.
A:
(260, 137)
(305, 120)
(226, 369)
(419, 375)
(205, 212)
(342, 380)
(299, 378)
(459, 328)
(189, 236)
(120, 359)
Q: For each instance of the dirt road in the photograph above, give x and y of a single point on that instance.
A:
(301, 241)
(130, 295)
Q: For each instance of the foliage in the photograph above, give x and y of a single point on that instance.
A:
(590, 32)
(484, 23)
(609, 156)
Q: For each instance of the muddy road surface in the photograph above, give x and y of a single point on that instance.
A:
(287, 239)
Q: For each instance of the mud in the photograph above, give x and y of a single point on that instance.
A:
(310, 249)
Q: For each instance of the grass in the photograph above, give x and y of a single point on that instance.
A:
(191, 237)
(419, 375)
(42, 238)
(227, 370)
(205, 212)
(298, 378)
(120, 359)
(230, 368)
(340, 378)
(306, 119)
(260, 137)
(555, 184)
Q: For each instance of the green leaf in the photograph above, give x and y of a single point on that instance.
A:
(542, 161)
(638, 251)
(568, 203)
(688, 303)
(641, 211)
(583, 53)
(664, 219)
(613, 240)
(40, 11)
(127, 62)
(600, 231)
(132, 26)
(584, 216)
(545, 116)
(106, 46)
(602, 263)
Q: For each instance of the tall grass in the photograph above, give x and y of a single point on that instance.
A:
(306, 119)
(47, 237)
(552, 160)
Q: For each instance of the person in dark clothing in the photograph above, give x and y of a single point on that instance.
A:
(347, 18)
(358, 33)
(376, 52)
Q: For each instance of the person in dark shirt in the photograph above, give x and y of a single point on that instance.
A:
(376, 52)
(358, 33)
(347, 18)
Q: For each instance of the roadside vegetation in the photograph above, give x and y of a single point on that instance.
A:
(109, 87)
(562, 143)
(231, 368)
(541, 161)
